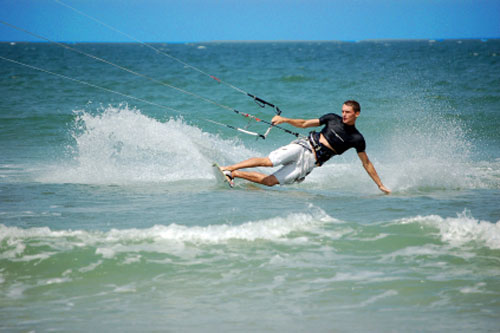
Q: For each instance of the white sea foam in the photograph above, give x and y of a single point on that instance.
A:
(462, 229)
(162, 239)
(372, 299)
(359, 277)
(90, 267)
(476, 289)
(57, 281)
(16, 290)
(376, 298)
(411, 253)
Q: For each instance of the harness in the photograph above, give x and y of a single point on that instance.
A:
(323, 153)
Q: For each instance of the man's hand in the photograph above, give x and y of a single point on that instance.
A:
(277, 120)
(384, 189)
(372, 172)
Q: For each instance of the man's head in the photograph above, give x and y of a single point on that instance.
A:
(350, 112)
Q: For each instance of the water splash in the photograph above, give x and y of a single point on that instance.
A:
(430, 152)
(120, 145)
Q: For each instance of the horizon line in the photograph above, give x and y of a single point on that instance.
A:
(266, 41)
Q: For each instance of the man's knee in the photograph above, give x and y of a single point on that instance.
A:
(266, 162)
(270, 181)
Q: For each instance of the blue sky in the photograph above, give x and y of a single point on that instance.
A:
(208, 20)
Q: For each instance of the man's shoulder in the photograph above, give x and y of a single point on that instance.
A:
(329, 116)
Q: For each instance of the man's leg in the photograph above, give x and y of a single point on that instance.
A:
(256, 177)
(250, 163)
(253, 176)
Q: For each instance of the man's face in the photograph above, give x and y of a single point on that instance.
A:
(348, 115)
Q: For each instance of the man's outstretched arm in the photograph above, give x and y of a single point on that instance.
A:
(299, 123)
(370, 169)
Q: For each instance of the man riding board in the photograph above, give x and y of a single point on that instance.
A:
(301, 156)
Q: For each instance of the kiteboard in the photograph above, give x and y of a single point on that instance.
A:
(221, 177)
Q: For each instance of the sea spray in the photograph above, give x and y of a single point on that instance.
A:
(120, 145)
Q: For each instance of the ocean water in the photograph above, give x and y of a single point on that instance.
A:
(111, 218)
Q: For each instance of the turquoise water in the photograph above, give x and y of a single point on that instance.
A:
(111, 219)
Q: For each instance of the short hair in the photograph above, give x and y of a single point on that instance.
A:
(355, 105)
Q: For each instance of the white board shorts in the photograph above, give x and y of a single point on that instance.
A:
(297, 160)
